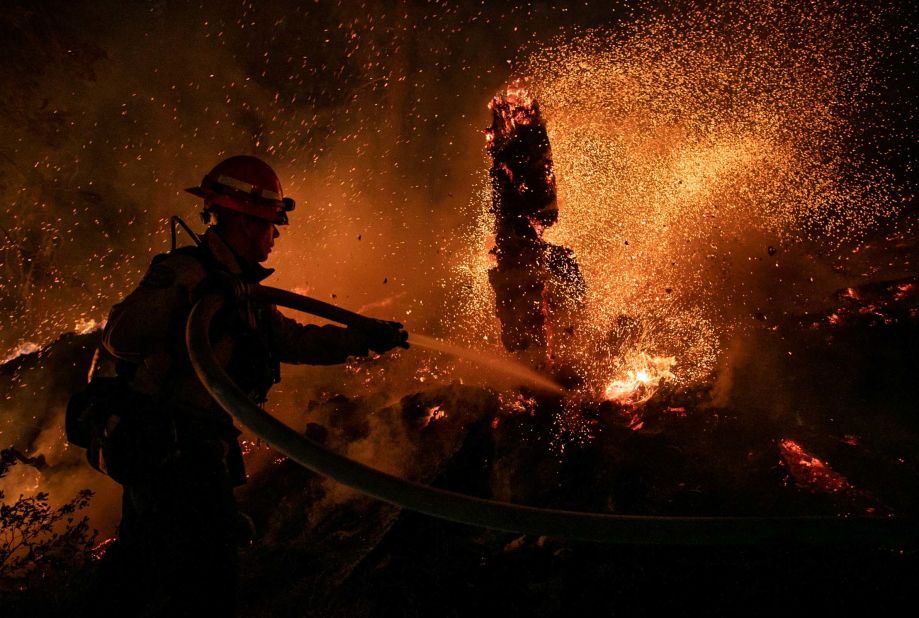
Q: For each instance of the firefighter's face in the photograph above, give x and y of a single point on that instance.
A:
(251, 237)
(262, 234)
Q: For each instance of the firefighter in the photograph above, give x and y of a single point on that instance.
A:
(175, 451)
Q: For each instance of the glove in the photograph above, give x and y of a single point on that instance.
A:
(383, 335)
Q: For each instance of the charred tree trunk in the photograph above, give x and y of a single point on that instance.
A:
(538, 286)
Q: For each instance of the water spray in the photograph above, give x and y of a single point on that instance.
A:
(338, 314)
(506, 366)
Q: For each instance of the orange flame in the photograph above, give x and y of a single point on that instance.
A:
(84, 326)
(640, 379)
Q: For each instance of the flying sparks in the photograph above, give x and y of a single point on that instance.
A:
(684, 146)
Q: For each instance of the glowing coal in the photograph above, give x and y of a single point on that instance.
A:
(810, 472)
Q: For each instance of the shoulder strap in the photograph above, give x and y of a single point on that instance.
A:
(198, 252)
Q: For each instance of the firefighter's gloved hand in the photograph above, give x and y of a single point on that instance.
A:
(383, 335)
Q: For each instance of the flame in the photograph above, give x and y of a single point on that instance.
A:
(517, 94)
(515, 107)
(84, 326)
(23, 349)
(642, 376)
(432, 414)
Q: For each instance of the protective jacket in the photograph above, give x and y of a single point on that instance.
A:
(147, 332)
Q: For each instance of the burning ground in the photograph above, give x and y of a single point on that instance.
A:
(733, 184)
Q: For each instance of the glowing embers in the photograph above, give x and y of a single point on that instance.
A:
(98, 552)
(250, 447)
(812, 475)
(513, 109)
(256, 452)
(513, 402)
(809, 472)
(884, 302)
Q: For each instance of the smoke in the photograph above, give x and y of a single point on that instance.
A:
(34, 389)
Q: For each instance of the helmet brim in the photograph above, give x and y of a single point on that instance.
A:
(200, 192)
(265, 212)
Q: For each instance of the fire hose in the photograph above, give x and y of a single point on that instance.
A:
(464, 509)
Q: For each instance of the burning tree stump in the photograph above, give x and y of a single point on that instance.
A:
(538, 286)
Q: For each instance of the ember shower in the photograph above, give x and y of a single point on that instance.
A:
(709, 166)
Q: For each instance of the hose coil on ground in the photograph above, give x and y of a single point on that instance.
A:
(607, 528)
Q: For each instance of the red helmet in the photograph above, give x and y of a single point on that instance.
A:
(247, 185)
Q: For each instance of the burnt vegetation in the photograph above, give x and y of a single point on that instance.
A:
(45, 550)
